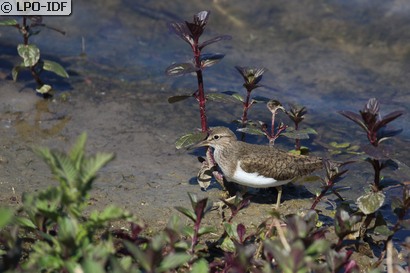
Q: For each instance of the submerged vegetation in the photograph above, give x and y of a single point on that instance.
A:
(30, 53)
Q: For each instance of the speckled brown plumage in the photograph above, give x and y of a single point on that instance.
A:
(258, 166)
(272, 162)
(266, 160)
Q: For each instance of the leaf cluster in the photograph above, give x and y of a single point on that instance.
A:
(30, 53)
(370, 121)
(52, 222)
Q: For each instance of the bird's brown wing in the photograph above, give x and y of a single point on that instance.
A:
(278, 164)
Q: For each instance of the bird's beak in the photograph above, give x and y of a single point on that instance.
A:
(200, 144)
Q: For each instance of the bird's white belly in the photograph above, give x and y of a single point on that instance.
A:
(254, 180)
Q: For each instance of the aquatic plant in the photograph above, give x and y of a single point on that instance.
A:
(378, 155)
(262, 129)
(251, 76)
(191, 32)
(30, 53)
(296, 114)
(376, 130)
(333, 175)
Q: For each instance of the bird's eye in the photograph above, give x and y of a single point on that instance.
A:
(216, 137)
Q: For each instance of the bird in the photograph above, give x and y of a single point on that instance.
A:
(257, 166)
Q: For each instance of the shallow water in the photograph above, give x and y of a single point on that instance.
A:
(327, 56)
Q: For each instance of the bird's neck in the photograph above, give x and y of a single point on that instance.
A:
(226, 154)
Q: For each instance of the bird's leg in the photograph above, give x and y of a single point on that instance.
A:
(279, 189)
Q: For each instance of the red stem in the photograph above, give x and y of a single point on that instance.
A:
(201, 93)
(25, 31)
(320, 196)
(297, 141)
(202, 101)
(245, 108)
(273, 124)
(377, 168)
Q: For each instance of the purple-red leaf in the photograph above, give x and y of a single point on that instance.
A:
(214, 40)
(198, 26)
(372, 106)
(383, 134)
(181, 29)
(201, 18)
(241, 230)
(210, 59)
(251, 75)
(388, 118)
(369, 119)
(180, 69)
(354, 117)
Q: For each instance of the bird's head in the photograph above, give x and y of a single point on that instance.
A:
(217, 136)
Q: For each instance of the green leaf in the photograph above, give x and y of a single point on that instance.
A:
(370, 202)
(121, 265)
(158, 241)
(318, 247)
(76, 153)
(220, 97)
(228, 245)
(110, 213)
(251, 131)
(6, 215)
(383, 230)
(64, 168)
(238, 97)
(174, 223)
(187, 212)
(188, 231)
(201, 266)
(138, 255)
(15, 71)
(90, 266)
(10, 22)
(178, 98)
(68, 229)
(44, 89)
(190, 139)
(205, 230)
(55, 67)
(194, 199)
(231, 230)
(343, 145)
(25, 222)
(172, 261)
(92, 165)
(29, 53)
